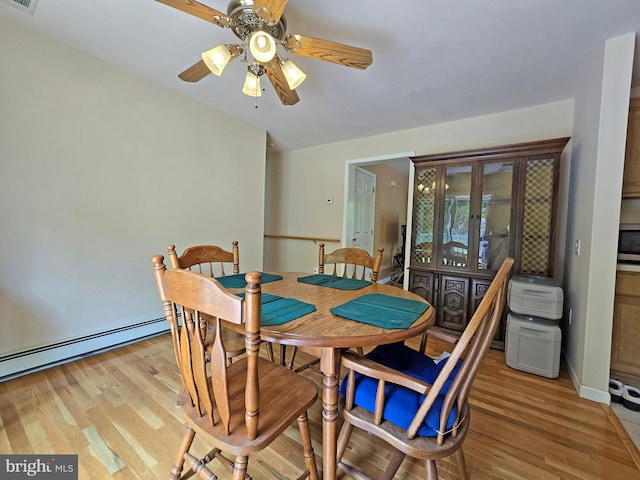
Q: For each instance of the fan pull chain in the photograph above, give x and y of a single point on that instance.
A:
(256, 99)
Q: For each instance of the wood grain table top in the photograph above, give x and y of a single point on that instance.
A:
(324, 329)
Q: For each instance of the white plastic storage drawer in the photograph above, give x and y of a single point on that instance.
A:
(535, 296)
(533, 345)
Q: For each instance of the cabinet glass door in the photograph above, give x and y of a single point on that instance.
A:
(424, 212)
(495, 214)
(535, 255)
(455, 225)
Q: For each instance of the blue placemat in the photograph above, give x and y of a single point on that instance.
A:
(238, 281)
(382, 310)
(334, 282)
(277, 310)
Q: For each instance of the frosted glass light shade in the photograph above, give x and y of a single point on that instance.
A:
(252, 85)
(216, 59)
(293, 74)
(262, 46)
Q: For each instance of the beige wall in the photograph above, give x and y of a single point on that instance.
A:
(594, 201)
(100, 170)
(392, 188)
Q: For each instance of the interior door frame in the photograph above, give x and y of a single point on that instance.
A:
(349, 180)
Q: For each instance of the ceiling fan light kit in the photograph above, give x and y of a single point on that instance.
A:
(251, 85)
(262, 46)
(261, 27)
(293, 74)
(217, 58)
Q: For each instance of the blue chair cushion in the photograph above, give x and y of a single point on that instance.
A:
(401, 404)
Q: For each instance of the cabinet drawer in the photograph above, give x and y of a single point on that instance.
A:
(628, 284)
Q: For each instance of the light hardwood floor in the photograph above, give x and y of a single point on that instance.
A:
(116, 411)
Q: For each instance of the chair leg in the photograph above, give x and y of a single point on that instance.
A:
(269, 347)
(182, 390)
(240, 467)
(187, 440)
(394, 465)
(307, 447)
(432, 471)
(423, 343)
(289, 365)
(343, 440)
(462, 465)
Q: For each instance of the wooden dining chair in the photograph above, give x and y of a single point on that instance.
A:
(210, 260)
(416, 404)
(206, 259)
(352, 262)
(349, 262)
(238, 409)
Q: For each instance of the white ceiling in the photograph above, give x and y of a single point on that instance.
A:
(433, 60)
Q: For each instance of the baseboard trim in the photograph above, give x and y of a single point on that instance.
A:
(594, 394)
(583, 391)
(31, 360)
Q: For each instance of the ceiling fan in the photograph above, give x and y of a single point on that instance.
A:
(261, 26)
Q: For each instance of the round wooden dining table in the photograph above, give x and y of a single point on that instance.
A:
(331, 334)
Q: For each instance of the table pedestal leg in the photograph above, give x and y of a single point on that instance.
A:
(330, 366)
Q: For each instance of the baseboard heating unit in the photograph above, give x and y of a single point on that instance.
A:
(27, 361)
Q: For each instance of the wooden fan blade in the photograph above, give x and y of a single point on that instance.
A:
(195, 72)
(280, 85)
(197, 10)
(328, 51)
(276, 7)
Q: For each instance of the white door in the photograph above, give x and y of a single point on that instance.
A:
(363, 210)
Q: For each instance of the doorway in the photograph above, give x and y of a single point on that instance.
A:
(390, 214)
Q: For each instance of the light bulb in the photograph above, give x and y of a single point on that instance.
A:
(262, 46)
(217, 58)
(252, 85)
(293, 74)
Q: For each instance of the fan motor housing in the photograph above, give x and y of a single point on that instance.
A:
(245, 21)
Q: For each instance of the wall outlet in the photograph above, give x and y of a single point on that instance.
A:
(315, 269)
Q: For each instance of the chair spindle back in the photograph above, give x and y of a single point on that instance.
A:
(208, 260)
(191, 295)
(351, 262)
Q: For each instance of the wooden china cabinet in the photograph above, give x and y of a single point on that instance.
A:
(473, 208)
